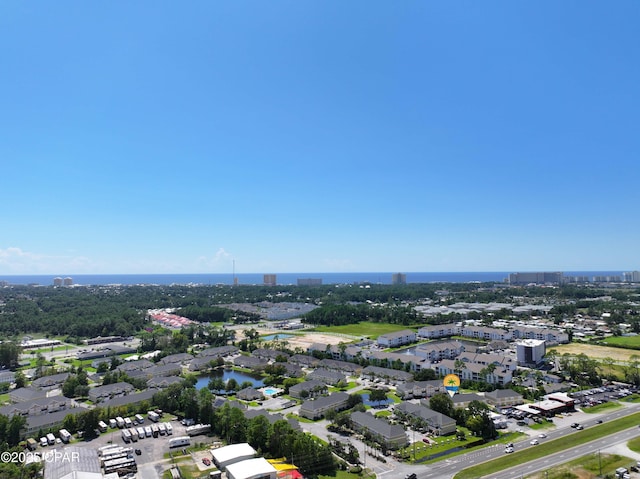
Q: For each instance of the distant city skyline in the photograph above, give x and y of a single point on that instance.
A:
(319, 137)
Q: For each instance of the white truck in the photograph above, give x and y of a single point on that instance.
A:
(102, 426)
(112, 423)
(51, 439)
(179, 441)
(169, 428)
(162, 428)
(153, 416)
(65, 436)
(126, 436)
(120, 422)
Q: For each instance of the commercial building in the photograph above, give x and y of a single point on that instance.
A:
(257, 468)
(398, 278)
(227, 455)
(530, 352)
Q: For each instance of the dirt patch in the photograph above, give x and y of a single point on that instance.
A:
(596, 352)
(305, 340)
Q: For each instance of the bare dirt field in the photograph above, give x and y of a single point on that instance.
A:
(304, 341)
(596, 352)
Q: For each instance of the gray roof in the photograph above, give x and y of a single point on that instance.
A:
(146, 395)
(47, 381)
(85, 460)
(377, 426)
(324, 402)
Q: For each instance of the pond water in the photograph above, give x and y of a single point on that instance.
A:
(366, 402)
(226, 374)
(274, 337)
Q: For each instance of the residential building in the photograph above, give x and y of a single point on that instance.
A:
(109, 391)
(36, 407)
(436, 422)
(438, 351)
(393, 376)
(536, 278)
(420, 389)
(486, 333)
(249, 394)
(26, 394)
(390, 436)
(439, 331)
(398, 278)
(396, 339)
(326, 376)
(500, 398)
(50, 382)
(249, 362)
(307, 389)
(317, 408)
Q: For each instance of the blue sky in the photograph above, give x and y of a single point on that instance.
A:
(177, 137)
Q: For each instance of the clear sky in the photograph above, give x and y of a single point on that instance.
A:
(319, 136)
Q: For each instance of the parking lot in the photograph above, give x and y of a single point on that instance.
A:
(151, 461)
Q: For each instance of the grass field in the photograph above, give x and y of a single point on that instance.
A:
(370, 330)
(634, 444)
(596, 351)
(587, 467)
(631, 342)
(549, 447)
(602, 407)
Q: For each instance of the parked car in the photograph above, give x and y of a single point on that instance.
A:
(138, 452)
(206, 461)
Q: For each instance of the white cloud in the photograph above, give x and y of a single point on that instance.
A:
(14, 260)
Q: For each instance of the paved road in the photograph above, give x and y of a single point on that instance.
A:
(447, 468)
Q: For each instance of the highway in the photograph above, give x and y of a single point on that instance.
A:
(447, 468)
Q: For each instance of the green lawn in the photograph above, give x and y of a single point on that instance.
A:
(602, 407)
(370, 330)
(549, 447)
(634, 444)
(542, 425)
(586, 466)
(631, 342)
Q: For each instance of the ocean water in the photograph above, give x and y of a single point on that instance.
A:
(281, 278)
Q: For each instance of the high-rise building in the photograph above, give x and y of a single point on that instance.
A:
(536, 278)
(57, 281)
(530, 352)
(631, 277)
(269, 279)
(67, 281)
(399, 278)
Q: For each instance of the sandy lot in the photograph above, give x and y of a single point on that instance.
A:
(596, 352)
